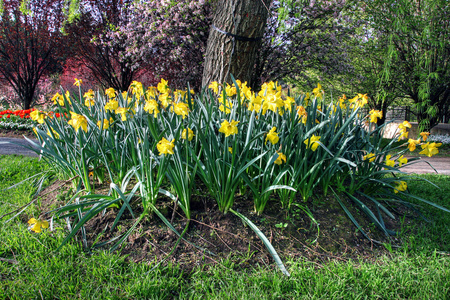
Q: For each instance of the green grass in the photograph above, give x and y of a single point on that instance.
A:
(434, 234)
(31, 269)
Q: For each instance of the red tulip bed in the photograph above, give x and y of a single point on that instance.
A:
(13, 122)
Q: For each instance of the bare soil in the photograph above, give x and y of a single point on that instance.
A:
(16, 133)
(213, 237)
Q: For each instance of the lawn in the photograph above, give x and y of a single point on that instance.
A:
(416, 265)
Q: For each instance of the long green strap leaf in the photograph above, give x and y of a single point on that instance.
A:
(266, 242)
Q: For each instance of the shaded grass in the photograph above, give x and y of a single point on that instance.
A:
(29, 267)
(435, 233)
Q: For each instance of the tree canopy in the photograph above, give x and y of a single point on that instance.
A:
(418, 52)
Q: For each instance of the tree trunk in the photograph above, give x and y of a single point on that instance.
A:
(234, 39)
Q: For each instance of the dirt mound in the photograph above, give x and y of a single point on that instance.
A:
(214, 237)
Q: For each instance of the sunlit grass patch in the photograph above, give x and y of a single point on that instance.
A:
(31, 268)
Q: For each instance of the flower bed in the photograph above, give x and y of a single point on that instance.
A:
(16, 120)
(266, 145)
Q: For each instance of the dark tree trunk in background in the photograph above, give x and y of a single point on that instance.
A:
(227, 54)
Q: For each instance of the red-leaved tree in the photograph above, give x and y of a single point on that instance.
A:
(95, 42)
(30, 45)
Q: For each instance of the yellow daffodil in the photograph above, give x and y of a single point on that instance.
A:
(402, 160)
(239, 83)
(358, 101)
(363, 98)
(55, 134)
(89, 98)
(312, 142)
(214, 86)
(165, 147)
(179, 95)
(272, 102)
(137, 89)
(272, 136)
(77, 82)
(38, 116)
(89, 94)
(403, 135)
(127, 96)
(89, 102)
(246, 91)
(151, 106)
(404, 125)
(163, 87)
(123, 112)
(59, 99)
(111, 93)
(389, 161)
(112, 105)
(165, 99)
(190, 134)
(342, 101)
(181, 109)
(371, 157)
(430, 149)
(230, 149)
(424, 136)
(318, 91)
(281, 157)
(230, 90)
(103, 124)
(412, 144)
(78, 121)
(302, 114)
(229, 128)
(400, 187)
(306, 99)
(255, 103)
(270, 88)
(151, 93)
(375, 115)
(227, 107)
(36, 225)
(288, 103)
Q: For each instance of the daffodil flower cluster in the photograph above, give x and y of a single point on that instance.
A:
(428, 149)
(229, 137)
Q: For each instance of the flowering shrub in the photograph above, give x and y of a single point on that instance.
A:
(230, 138)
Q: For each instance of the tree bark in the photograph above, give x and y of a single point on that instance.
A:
(234, 50)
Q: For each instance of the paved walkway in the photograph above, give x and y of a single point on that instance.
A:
(9, 146)
(426, 165)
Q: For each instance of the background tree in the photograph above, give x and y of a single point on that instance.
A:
(30, 45)
(169, 38)
(418, 52)
(367, 53)
(307, 41)
(97, 43)
(234, 39)
(177, 47)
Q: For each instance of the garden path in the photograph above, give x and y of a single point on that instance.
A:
(9, 146)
